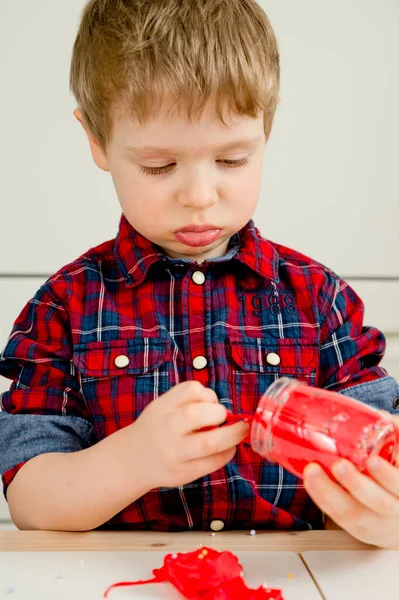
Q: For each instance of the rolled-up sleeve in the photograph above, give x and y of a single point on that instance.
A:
(44, 410)
(350, 352)
(25, 436)
(382, 394)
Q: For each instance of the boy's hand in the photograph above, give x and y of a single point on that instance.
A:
(173, 451)
(366, 508)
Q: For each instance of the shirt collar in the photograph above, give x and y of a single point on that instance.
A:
(135, 254)
(257, 253)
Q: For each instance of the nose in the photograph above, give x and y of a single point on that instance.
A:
(197, 194)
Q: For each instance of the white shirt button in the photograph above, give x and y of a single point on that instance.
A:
(198, 277)
(199, 362)
(273, 359)
(217, 525)
(122, 361)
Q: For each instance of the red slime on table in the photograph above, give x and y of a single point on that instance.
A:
(205, 574)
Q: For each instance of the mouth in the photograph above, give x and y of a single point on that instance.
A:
(198, 228)
(198, 235)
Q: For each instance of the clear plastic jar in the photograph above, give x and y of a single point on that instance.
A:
(296, 424)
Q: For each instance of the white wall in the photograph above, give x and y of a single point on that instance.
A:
(332, 162)
(330, 186)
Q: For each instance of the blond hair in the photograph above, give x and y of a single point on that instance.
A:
(135, 53)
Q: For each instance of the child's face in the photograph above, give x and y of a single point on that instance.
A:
(191, 184)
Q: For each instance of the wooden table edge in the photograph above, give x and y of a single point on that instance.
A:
(293, 541)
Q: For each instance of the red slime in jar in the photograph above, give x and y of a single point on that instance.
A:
(296, 424)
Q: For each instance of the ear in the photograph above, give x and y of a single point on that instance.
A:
(97, 152)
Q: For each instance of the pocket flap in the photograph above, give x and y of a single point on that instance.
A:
(296, 355)
(99, 359)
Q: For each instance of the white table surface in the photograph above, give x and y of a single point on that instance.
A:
(355, 575)
(64, 575)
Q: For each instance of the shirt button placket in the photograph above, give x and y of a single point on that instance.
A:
(193, 318)
(200, 362)
(196, 316)
(216, 500)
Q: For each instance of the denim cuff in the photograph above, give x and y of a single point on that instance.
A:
(382, 394)
(24, 436)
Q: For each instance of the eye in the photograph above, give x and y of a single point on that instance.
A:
(161, 170)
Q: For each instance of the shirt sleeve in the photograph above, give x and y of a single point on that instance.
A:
(44, 410)
(382, 394)
(350, 352)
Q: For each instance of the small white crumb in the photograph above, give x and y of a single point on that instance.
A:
(252, 532)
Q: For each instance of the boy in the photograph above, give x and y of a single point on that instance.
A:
(125, 355)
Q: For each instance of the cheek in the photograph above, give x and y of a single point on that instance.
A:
(247, 188)
(136, 194)
(254, 185)
(142, 207)
(124, 182)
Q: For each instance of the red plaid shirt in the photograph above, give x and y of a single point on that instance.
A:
(126, 298)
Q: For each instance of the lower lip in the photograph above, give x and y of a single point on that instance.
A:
(196, 238)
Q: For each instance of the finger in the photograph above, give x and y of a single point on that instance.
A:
(200, 445)
(196, 415)
(385, 474)
(337, 503)
(347, 512)
(186, 392)
(203, 466)
(368, 492)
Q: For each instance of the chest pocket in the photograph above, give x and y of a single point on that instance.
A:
(119, 378)
(256, 363)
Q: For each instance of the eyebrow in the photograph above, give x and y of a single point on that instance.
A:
(245, 142)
